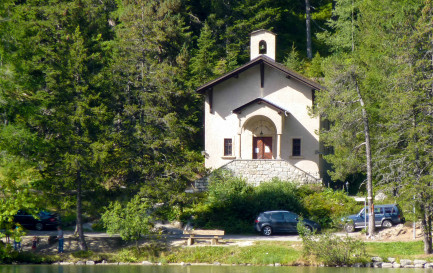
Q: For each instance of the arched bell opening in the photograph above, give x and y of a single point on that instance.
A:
(263, 47)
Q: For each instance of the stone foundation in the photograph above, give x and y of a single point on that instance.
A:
(258, 171)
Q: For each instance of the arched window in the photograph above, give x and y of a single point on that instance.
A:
(262, 47)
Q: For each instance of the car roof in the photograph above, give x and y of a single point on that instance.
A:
(270, 211)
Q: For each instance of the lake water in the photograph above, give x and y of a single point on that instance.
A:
(196, 269)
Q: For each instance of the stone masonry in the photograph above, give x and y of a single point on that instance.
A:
(258, 171)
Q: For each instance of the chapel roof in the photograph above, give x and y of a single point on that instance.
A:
(260, 101)
(267, 61)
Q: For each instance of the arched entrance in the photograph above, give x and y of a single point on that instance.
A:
(261, 131)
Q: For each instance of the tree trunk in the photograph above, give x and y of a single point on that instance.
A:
(370, 200)
(308, 27)
(79, 228)
(426, 229)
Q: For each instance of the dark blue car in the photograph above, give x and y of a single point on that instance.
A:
(281, 221)
(384, 216)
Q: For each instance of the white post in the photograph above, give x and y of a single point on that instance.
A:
(278, 146)
(239, 147)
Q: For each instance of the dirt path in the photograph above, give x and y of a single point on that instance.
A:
(103, 242)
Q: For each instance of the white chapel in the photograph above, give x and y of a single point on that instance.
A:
(256, 119)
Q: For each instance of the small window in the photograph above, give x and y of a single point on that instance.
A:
(378, 210)
(277, 216)
(262, 47)
(296, 147)
(228, 145)
(388, 210)
(290, 217)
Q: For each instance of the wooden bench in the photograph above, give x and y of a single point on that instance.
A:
(213, 234)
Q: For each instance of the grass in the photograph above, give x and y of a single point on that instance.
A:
(260, 253)
(398, 250)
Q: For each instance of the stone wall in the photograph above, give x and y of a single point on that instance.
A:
(258, 171)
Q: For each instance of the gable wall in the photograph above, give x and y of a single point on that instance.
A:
(286, 93)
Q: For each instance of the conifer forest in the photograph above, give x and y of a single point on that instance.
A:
(99, 114)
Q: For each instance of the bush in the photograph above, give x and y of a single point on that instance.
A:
(232, 204)
(328, 206)
(330, 249)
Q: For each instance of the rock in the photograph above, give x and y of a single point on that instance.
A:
(146, 263)
(358, 265)
(216, 263)
(90, 262)
(368, 264)
(386, 265)
(184, 264)
(159, 263)
(277, 264)
(396, 265)
(65, 263)
(377, 264)
(391, 260)
(423, 262)
(122, 263)
(376, 259)
(409, 266)
(428, 265)
(405, 262)
(103, 262)
(419, 266)
(80, 263)
(271, 265)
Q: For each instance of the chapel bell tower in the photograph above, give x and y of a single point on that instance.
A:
(262, 42)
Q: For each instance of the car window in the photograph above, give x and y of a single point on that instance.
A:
(290, 217)
(378, 210)
(277, 216)
(388, 209)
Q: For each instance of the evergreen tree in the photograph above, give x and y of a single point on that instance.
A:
(405, 148)
(57, 58)
(349, 103)
(157, 115)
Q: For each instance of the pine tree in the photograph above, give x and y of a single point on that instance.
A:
(157, 114)
(57, 63)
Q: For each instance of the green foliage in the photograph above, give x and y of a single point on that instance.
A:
(82, 254)
(277, 194)
(232, 204)
(294, 61)
(330, 249)
(130, 221)
(328, 206)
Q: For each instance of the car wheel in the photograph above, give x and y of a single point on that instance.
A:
(387, 224)
(39, 226)
(267, 231)
(349, 227)
(309, 228)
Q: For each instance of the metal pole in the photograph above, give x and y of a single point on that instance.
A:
(365, 215)
(414, 219)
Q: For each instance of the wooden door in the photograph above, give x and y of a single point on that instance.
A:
(262, 147)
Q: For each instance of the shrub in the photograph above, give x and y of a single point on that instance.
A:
(277, 195)
(330, 249)
(328, 206)
(232, 204)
